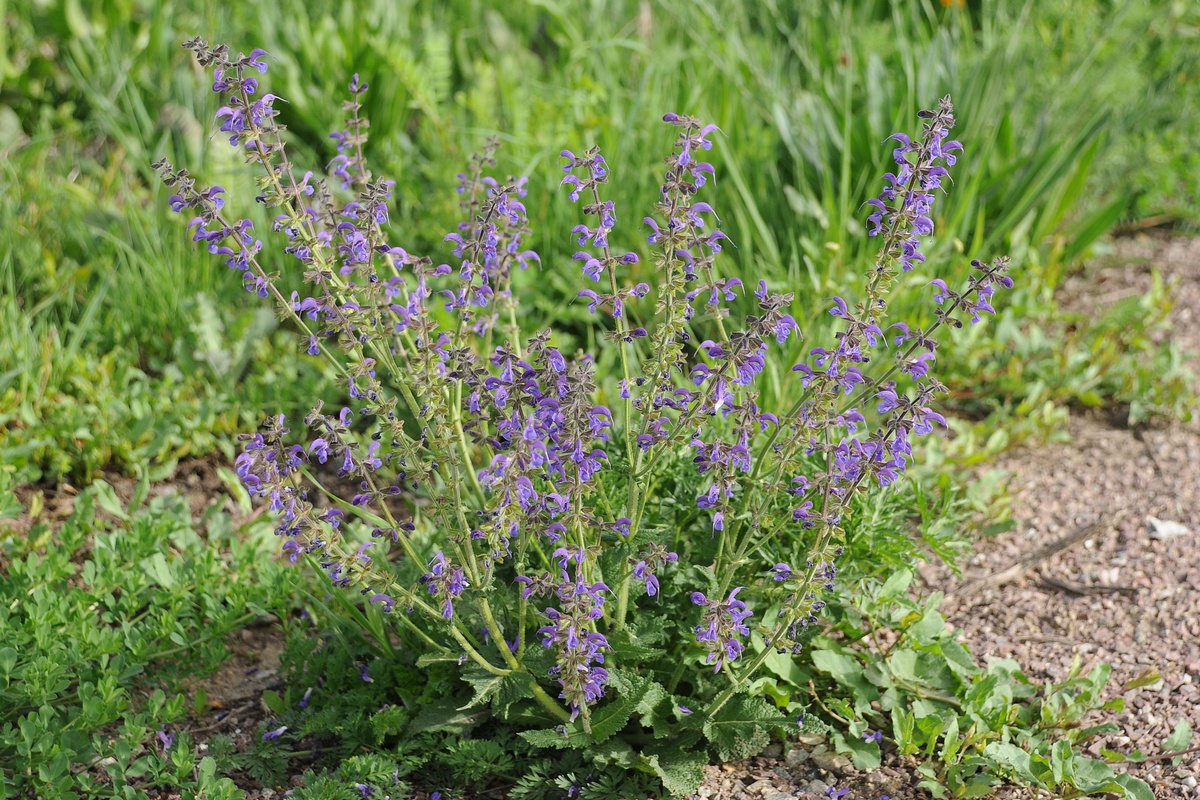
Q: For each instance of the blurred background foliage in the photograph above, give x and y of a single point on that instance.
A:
(1078, 116)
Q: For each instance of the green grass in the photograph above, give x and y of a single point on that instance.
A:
(91, 258)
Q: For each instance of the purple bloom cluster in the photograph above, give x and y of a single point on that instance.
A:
(445, 582)
(646, 566)
(721, 625)
(903, 211)
(580, 648)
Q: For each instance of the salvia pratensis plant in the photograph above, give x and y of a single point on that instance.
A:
(586, 546)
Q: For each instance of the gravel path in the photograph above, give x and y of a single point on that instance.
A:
(1128, 595)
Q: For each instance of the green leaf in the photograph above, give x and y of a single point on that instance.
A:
(608, 720)
(741, 728)
(1062, 766)
(931, 625)
(903, 723)
(1146, 679)
(1013, 758)
(680, 772)
(896, 585)
(615, 752)
(629, 649)
(1135, 788)
(1093, 776)
(842, 668)
(952, 740)
(515, 687)
(106, 498)
(903, 664)
(445, 716)
(273, 701)
(864, 754)
(1180, 739)
(958, 658)
(485, 684)
(655, 709)
(555, 739)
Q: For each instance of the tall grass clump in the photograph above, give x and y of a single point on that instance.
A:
(605, 548)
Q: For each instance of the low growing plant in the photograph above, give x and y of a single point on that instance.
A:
(606, 547)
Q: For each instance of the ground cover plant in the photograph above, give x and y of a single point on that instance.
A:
(106, 617)
(537, 512)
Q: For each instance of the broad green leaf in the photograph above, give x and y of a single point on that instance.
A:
(842, 668)
(952, 740)
(680, 772)
(655, 709)
(273, 701)
(896, 585)
(483, 682)
(515, 687)
(864, 754)
(1032, 767)
(958, 658)
(1145, 679)
(903, 723)
(1180, 739)
(1135, 788)
(903, 664)
(1092, 775)
(616, 752)
(446, 716)
(931, 625)
(106, 498)
(1062, 766)
(158, 570)
(741, 728)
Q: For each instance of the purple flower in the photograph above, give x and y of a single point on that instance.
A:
(255, 60)
(275, 734)
(721, 625)
(386, 601)
(364, 672)
(165, 739)
(445, 581)
(943, 294)
(873, 736)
